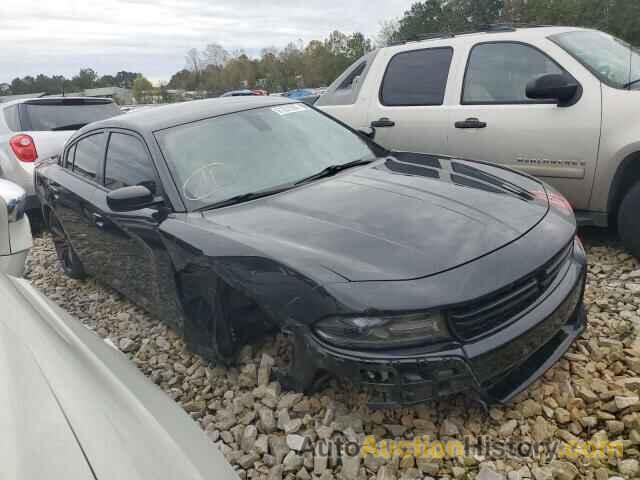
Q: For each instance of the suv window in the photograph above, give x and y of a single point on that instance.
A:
(416, 78)
(64, 114)
(87, 155)
(347, 83)
(498, 73)
(11, 117)
(128, 163)
(345, 89)
(613, 61)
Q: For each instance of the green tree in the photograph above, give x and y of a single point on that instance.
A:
(125, 79)
(618, 17)
(142, 89)
(85, 79)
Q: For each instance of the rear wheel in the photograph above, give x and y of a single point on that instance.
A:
(629, 220)
(67, 257)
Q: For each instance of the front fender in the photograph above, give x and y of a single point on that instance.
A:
(285, 295)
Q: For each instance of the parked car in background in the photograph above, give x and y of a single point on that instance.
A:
(299, 93)
(414, 275)
(84, 407)
(240, 93)
(37, 128)
(558, 103)
(15, 231)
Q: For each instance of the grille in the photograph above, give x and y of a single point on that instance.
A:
(484, 315)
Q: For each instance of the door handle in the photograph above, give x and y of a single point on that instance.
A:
(383, 123)
(471, 123)
(98, 220)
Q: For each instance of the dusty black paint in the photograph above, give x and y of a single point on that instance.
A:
(386, 238)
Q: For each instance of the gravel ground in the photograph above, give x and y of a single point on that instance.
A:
(592, 394)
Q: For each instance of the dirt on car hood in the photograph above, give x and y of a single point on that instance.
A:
(401, 218)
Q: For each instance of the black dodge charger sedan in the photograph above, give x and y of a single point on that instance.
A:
(415, 276)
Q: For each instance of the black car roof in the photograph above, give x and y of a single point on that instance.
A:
(165, 116)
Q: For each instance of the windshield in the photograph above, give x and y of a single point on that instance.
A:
(219, 158)
(612, 60)
(55, 116)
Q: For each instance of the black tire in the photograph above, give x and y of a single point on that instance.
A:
(629, 220)
(225, 338)
(237, 321)
(71, 264)
(36, 221)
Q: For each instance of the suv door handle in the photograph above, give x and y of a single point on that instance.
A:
(471, 123)
(98, 220)
(383, 123)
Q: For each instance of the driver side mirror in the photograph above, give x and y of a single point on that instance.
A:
(562, 88)
(128, 199)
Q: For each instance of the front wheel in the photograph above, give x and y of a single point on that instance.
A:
(629, 220)
(67, 257)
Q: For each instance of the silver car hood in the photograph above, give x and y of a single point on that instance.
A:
(72, 407)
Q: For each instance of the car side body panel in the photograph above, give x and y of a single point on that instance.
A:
(620, 140)
(124, 426)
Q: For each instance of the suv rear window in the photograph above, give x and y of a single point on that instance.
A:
(53, 115)
(416, 78)
(11, 117)
(346, 88)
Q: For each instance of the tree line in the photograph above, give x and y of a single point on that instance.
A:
(315, 64)
(618, 17)
(214, 70)
(85, 79)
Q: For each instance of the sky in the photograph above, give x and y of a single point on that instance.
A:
(152, 36)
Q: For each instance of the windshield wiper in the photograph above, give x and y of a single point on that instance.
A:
(73, 126)
(245, 197)
(333, 169)
(632, 83)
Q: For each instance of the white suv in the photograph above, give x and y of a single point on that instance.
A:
(556, 102)
(37, 128)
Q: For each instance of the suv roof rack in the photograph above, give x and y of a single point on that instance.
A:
(489, 28)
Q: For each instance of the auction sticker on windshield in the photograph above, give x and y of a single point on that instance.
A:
(287, 109)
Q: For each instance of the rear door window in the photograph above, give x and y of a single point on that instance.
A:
(88, 154)
(128, 163)
(64, 114)
(416, 78)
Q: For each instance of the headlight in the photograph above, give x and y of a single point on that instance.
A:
(383, 332)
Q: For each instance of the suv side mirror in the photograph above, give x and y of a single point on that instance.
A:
(127, 199)
(553, 86)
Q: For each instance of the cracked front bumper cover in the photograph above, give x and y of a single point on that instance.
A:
(496, 367)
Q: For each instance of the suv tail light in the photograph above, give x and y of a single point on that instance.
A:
(24, 148)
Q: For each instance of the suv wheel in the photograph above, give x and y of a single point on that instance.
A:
(69, 261)
(629, 220)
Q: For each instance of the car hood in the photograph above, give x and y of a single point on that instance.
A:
(74, 408)
(400, 218)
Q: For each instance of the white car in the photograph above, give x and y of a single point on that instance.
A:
(37, 129)
(15, 231)
(74, 408)
(556, 102)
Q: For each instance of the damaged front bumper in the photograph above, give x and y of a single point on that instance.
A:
(497, 367)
